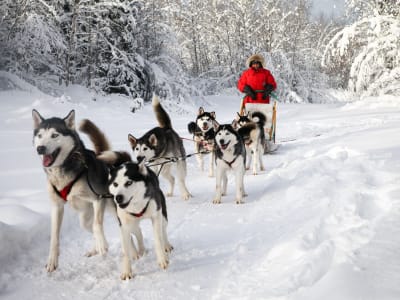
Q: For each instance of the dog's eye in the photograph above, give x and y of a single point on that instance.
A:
(128, 183)
(115, 184)
(39, 135)
(145, 149)
(137, 149)
(54, 135)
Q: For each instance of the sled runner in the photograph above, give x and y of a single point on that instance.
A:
(269, 110)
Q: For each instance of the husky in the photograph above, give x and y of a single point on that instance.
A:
(230, 155)
(136, 192)
(160, 147)
(251, 129)
(203, 131)
(74, 176)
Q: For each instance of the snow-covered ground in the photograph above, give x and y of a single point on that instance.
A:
(322, 222)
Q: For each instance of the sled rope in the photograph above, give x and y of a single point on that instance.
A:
(171, 159)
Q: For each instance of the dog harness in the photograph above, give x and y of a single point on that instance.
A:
(142, 212)
(231, 163)
(67, 189)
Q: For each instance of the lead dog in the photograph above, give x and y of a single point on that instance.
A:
(160, 146)
(136, 192)
(203, 131)
(230, 156)
(74, 176)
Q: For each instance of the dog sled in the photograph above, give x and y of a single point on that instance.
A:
(269, 110)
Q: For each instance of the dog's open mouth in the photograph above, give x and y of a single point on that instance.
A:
(204, 127)
(224, 146)
(124, 205)
(49, 159)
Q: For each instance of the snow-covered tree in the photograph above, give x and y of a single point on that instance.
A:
(367, 52)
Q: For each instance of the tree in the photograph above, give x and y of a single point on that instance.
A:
(367, 51)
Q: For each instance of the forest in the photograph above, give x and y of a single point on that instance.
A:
(182, 49)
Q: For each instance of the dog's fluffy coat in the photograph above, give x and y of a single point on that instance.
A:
(251, 129)
(136, 192)
(158, 146)
(74, 175)
(203, 131)
(230, 156)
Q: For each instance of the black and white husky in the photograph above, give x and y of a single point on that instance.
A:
(159, 147)
(251, 129)
(136, 192)
(203, 131)
(230, 155)
(74, 175)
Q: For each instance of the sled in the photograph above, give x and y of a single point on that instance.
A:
(269, 110)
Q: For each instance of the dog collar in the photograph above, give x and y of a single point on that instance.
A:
(67, 189)
(142, 212)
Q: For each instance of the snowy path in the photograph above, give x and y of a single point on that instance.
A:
(321, 222)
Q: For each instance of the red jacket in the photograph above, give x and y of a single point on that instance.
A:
(256, 79)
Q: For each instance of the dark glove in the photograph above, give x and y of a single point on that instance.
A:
(268, 88)
(249, 92)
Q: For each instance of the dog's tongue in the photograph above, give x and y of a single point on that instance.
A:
(47, 160)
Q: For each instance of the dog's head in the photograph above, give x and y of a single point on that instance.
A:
(127, 184)
(144, 148)
(54, 138)
(240, 121)
(204, 121)
(226, 137)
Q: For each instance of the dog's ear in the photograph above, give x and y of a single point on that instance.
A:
(153, 140)
(70, 120)
(215, 125)
(201, 111)
(142, 168)
(235, 124)
(132, 140)
(192, 127)
(213, 115)
(37, 118)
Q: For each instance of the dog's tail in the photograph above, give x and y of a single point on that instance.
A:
(162, 117)
(259, 118)
(96, 136)
(114, 158)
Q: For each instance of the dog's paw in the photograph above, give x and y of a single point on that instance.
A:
(186, 196)
(217, 201)
(169, 194)
(168, 248)
(52, 265)
(101, 247)
(91, 253)
(127, 275)
(163, 263)
(239, 201)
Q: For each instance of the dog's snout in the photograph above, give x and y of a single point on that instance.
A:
(222, 141)
(140, 158)
(41, 149)
(119, 198)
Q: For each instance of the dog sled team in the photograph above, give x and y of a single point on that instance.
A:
(91, 180)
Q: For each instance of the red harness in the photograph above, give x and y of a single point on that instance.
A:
(67, 189)
(142, 212)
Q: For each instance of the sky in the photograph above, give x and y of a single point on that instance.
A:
(321, 222)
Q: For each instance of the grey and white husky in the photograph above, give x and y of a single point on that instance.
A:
(203, 131)
(136, 192)
(251, 129)
(74, 176)
(162, 148)
(230, 155)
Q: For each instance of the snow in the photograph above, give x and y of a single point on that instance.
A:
(322, 222)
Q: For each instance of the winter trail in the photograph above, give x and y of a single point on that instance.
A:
(322, 209)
